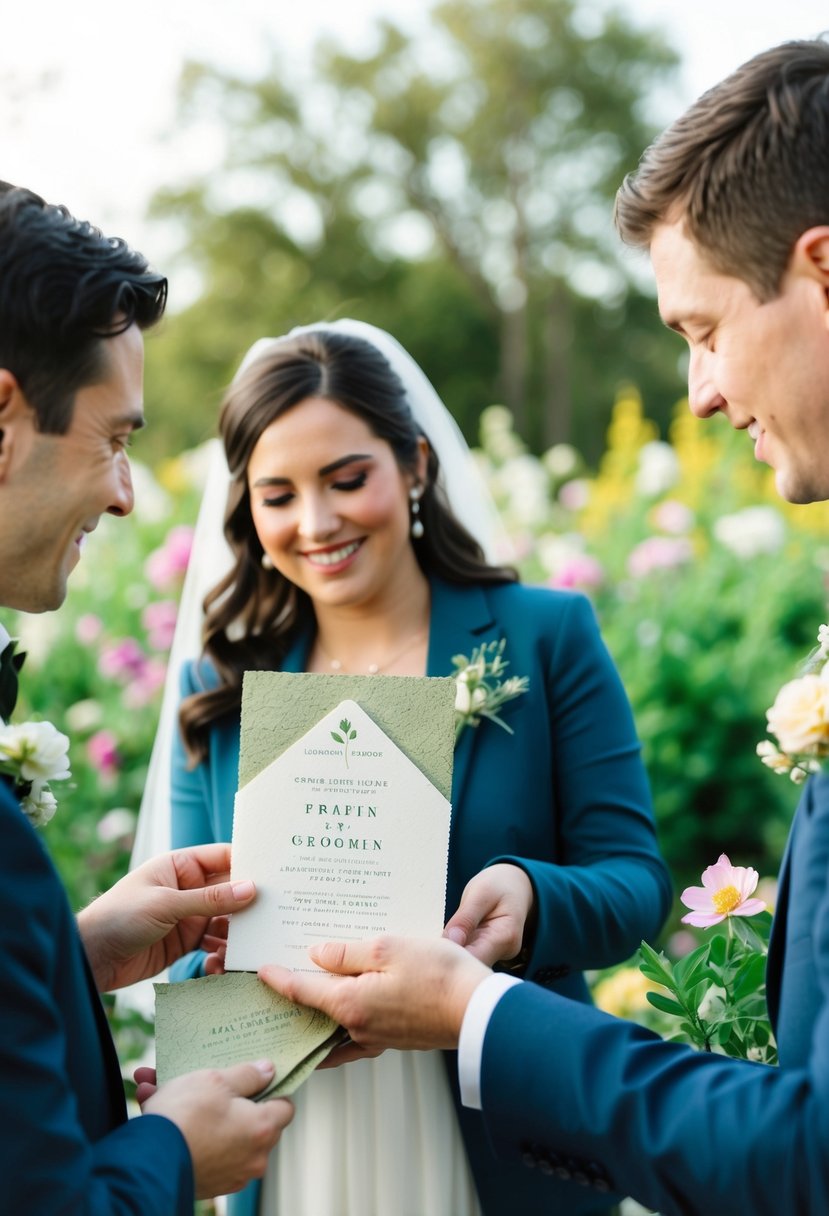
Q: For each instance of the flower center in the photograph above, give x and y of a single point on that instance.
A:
(725, 900)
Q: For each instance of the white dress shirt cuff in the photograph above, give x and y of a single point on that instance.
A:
(471, 1041)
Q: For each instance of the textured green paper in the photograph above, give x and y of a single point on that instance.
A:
(232, 1019)
(417, 712)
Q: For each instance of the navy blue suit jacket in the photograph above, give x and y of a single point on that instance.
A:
(573, 1092)
(66, 1147)
(565, 797)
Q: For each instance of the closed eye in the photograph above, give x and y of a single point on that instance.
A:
(354, 483)
(280, 500)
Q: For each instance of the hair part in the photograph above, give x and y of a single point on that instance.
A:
(745, 167)
(254, 615)
(64, 289)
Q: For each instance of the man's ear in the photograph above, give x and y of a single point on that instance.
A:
(15, 419)
(811, 251)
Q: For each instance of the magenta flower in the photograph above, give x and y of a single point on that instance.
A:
(102, 750)
(724, 892)
(165, 567)
(122, 660)
(159, 619)
(578, 570)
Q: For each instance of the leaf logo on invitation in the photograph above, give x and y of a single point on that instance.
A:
(345, 727)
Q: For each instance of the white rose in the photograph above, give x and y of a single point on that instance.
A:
(39, 804)
(463, 697)
(39, 750)
(800, 715)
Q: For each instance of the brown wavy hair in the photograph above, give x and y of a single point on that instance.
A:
(253, 615)
(745, 167)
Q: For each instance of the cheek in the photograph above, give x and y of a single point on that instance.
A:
(383, 508)
(272, 528)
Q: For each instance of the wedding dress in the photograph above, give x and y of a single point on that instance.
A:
(377, 1137)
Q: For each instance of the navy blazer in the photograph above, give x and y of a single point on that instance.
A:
(565, 797)
(588, 1096)
(65, 1144)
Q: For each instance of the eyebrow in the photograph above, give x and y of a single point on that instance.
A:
(323, 472)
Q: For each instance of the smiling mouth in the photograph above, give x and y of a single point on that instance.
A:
(332, 557)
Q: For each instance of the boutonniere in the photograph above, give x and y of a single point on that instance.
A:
(799, 718)
(33, 754)
(480, 689)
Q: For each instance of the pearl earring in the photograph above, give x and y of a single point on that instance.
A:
(265, 562)
(417, 524)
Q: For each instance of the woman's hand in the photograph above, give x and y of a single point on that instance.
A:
(491, 921)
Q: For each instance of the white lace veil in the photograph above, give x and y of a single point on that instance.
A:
(463, 485)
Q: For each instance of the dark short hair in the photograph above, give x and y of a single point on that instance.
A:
(746, 167)
(64, 287)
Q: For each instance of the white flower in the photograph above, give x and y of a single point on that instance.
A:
(36, 751)
(823, 642)
(561, 460)
(712, 1004)
(39, 804)
(658, 469)
(799, 716)
(752, 531)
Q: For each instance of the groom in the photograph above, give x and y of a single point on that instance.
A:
(733, 204)
(73, 305)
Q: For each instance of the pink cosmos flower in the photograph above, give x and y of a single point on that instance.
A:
(102, 750)
(578, 570)
(165, 567)
(88, 628)
(122, 660)
(659, 553)
(159, 619)
(724, 892)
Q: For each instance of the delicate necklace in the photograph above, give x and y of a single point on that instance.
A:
(373, 669)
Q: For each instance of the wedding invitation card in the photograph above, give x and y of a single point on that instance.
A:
(344, 833)
(342, 820)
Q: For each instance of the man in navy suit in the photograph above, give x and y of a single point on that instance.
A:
(73, 305)
(733, 204)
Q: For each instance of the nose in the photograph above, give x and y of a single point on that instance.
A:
(317, 519)
(704, 398)
(123, 495)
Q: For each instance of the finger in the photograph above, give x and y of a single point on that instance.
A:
(475, 907)
(144, 1074)
(248, 1079)
(353, 958)
(220, 900)
(348, 1053)
(316, 991)
(144, 1091)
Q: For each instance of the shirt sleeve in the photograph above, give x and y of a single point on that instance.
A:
(471, 1042)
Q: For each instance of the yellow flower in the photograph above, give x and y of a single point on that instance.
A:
(800, 715)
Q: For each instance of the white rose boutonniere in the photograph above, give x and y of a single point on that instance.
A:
(799, 718)
(480, 691)
(33, 754)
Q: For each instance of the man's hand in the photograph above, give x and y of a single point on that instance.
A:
(389, 992)
(229, 1137)
(493, 913)
(171, 905)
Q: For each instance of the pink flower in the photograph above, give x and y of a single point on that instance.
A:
(659, 553)
(122, 660)
(88, 628)
(159, 619)
(102, 750)
(142, 689)
(672, 516)
(165, 566)
(724, 892)
(578, 570)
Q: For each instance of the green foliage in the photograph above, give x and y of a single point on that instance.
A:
(718, 991)
(455, 187)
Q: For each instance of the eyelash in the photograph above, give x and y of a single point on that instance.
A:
(347, 487)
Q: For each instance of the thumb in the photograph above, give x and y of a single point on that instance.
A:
(218, 900)
(474, 907)
(246, 1080)
(347, 958)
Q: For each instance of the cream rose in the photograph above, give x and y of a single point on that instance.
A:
(800, 715)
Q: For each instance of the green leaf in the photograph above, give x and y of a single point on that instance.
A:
(337, 738)
(353, 735)
(717, 950)
(750, 976)
(345, 725)
(665, 1004)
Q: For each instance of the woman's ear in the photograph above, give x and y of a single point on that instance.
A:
(422, 461)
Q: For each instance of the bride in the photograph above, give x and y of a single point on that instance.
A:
(362, 540)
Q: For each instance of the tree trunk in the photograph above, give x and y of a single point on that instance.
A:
(514, 357)
(557, 420)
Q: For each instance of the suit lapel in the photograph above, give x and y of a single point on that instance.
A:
(777, 942)
(461, 619)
